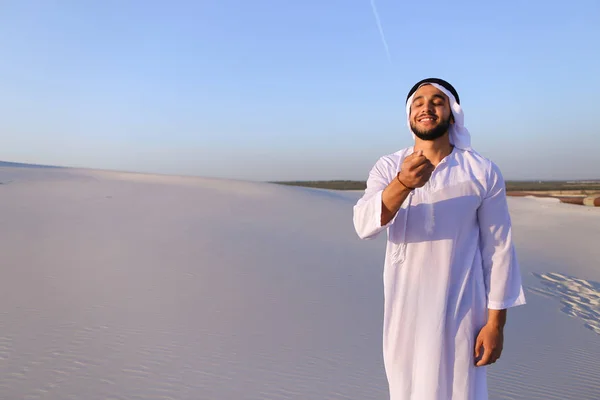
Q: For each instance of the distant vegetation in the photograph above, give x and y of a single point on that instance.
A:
(511, 186)
(593, 185)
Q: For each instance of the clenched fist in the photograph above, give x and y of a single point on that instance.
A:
(416, 170)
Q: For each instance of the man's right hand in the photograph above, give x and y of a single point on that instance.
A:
(416, 170)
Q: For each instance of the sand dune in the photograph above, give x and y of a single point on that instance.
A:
(132, 286)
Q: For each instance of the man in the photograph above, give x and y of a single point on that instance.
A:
(450, 270)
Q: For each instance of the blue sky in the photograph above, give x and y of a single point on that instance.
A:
(276, 90)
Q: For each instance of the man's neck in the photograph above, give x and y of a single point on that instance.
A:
(434, 150)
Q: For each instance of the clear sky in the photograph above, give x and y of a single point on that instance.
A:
(276, 90)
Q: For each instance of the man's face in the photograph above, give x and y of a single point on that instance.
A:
(430, 114)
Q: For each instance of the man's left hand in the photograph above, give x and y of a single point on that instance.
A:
(489, 342)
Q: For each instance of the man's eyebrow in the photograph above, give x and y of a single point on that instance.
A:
(438, 96)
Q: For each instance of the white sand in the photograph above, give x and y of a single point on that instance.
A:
(130, 286)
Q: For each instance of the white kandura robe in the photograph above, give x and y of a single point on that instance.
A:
(449, 257)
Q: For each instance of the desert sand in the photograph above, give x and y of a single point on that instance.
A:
(131, 286)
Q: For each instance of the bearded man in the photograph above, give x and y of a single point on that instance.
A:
(450, 270)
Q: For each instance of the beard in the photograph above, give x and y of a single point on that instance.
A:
(433, 133)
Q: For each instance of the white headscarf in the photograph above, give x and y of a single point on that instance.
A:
(459, 135)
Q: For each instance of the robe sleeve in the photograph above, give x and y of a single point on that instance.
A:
(367, 211)
(500, 266)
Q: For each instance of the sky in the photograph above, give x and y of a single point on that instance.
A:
(294, 90)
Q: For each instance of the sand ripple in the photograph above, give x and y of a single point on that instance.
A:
(579, 298)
